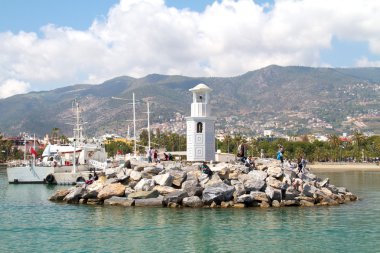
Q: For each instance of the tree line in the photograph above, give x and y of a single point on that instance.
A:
(359, 148)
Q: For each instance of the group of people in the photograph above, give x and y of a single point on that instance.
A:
(152, 155)
(242, 156)
(301, 161)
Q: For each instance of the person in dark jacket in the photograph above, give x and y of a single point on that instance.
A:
(205, 169)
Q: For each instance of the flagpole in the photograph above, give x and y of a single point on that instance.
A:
(34, 148)
(25, 149)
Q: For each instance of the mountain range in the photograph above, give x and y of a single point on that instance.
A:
(331, 95)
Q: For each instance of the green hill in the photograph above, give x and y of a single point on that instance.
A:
(274, 92)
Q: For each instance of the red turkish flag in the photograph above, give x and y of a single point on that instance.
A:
(33, 152)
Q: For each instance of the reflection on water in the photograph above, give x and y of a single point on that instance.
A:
(30, 223)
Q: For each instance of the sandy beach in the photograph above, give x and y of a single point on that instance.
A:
(344, 167)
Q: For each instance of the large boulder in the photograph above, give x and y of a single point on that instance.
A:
(143, 194)
(275, 171)
(178, 176)
(245, 198)
(149, 202)
(309, 190)
(175, 197)
(164, 190)
(119, 201)
(259, 196)
(153, 170)
(112, 190)
(273, 182)
(74, 195)
(239, 190)
(324, 183)
(145, 185)
(290, 174)
(224, 172)
(218, 193)
(59, 195)
(215, 179)
(193, 175)
(307, 177)
(272, 193)
(193, 201)
(164, 179)
(135, 175)
(258, 175)
(251, 183)
(192, 188)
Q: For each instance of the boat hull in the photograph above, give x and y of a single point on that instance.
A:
(28, 174)
(37, 174)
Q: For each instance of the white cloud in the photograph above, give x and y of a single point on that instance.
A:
(12, 87)
(140, 37)
(364, 62)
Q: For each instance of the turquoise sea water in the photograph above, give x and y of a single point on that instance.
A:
(30, 223)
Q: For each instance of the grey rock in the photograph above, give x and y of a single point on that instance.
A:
(218, 193)
(153, 169)
(258, 175)
(193, 201)
(254, 185)
(290, 174)
(306, 203)
(135, 175)
(245, 198)
(164, 179)
(178, 176)
(342, 189)
(259, 196)
(59, 195)
(119, 201)
(292, 202)
(273, 182)
(192, 188)
(164, 190)
(272, 193)
(324, 183)
(215, 179)
(276, 172)
(309, 190)
(143, 194)
(239, 190)
(145, 185)
(74, 195)
(175, 197)
(149, 202)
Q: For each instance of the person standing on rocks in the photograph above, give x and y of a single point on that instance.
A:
(284, 186)
(280, 155)
(150, 151)
(250, 163)
(155, 156)
(303, 163)
(206, 170)
(242, 152)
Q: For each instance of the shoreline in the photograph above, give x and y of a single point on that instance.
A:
(342, 167)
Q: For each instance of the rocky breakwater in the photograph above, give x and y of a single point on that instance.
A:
(184, 185)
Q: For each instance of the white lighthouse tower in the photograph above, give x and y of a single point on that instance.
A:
(200, 126)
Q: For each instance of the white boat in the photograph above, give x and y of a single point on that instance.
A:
(61, 164)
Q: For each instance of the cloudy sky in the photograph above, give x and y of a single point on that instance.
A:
(47, 44)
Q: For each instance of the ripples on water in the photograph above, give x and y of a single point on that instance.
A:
(30, 223)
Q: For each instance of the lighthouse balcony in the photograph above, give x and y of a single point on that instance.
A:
(200, 110)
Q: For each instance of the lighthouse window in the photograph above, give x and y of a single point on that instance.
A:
(199, 127)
